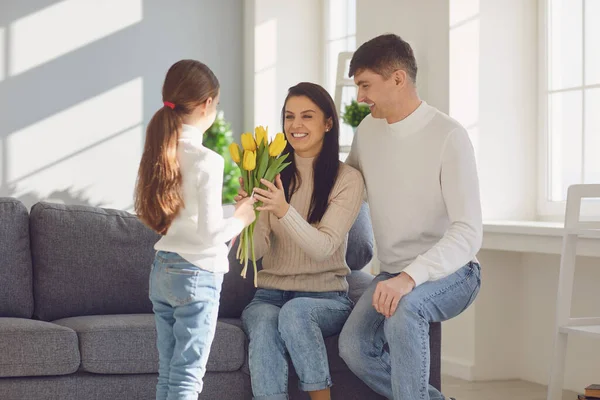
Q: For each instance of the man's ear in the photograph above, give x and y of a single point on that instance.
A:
(400, 77)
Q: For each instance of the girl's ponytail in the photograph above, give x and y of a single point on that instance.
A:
(158, 193)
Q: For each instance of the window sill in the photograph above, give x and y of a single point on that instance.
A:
(532, 237)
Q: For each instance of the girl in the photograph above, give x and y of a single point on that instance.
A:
(178, 195)
(302, 233)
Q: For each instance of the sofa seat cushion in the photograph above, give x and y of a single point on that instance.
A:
(126, 344)
(36, 348)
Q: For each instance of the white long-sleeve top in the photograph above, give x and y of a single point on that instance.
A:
(423, 192)
(199, 231)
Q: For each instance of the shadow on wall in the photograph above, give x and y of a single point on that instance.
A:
(67, 196)
(75, 100)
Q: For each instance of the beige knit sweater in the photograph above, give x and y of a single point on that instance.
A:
(298, 256)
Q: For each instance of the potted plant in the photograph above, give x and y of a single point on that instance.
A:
(354, 113)
(218, 138)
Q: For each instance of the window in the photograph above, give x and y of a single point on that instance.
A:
(340, 36)
(570, 101)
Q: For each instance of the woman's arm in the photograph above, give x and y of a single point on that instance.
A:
(322, 241)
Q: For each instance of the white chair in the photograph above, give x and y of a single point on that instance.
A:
(565, 325)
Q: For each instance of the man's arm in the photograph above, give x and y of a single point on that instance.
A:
(352, 159)
(460, 189)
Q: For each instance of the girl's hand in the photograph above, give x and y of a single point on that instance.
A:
(241, 193)
(244, 211)
(273, 198)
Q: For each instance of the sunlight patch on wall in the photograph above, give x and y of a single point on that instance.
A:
(266, 110)
(66, 26)
(2, 53)
(103, 175)
(92, 147)
(464, 65)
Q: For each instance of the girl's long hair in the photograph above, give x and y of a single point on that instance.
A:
(326, 164)
(158, 194)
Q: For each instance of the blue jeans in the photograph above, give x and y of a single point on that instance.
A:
(279, 323)
(185, 300)
(401, 372)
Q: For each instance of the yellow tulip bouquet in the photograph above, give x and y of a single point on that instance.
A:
(261, 159)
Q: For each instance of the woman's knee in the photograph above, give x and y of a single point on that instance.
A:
(257, 319)
(294, 317)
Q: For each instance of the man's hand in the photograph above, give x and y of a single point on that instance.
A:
(389, 292)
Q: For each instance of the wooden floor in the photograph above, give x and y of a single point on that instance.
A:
(496, 390)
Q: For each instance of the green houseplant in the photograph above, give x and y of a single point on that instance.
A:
(218, 138)
(354, 113)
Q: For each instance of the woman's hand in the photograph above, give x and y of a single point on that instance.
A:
(273, 198)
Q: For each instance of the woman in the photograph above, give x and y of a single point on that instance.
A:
(301, 235)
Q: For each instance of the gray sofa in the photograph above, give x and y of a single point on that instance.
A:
(76, 322)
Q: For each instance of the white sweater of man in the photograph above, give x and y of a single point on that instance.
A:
(423, 192)
(199, 231)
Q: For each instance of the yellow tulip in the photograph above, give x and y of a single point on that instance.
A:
(261, 135)
(249, 160)
(278, 145)
(248, 142)
(234, 150)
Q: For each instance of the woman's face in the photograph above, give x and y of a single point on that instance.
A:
(305, 126)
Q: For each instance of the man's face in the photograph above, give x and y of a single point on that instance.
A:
(376, 91)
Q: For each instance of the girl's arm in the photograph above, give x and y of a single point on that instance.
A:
(212, 226)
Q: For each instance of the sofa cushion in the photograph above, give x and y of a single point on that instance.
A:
(16, 288)
(126, 344)
(358, 282)
(236, 291)
(89, 261)
(360, 240)
(36, 348)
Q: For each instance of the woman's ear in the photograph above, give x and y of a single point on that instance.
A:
(328, 124)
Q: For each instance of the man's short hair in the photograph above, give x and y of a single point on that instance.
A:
(383, 55)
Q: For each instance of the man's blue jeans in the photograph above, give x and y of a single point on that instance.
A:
(400, 370)
(185, 301)
(280, 323)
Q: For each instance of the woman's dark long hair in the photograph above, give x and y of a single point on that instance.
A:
(326, 164)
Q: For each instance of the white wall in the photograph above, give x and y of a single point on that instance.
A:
(424, 24)
(508, 109)
(513, 320)
(283, 46)
(79, 80)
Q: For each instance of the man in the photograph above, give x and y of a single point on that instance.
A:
(423, 192)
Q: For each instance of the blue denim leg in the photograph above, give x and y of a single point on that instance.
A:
(402, 373)
(185, 300)
(266, 350)
(304, 322)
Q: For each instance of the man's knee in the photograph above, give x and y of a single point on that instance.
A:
(404, 319)
(349, 344)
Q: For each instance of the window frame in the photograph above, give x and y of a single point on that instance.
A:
(547, 209)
